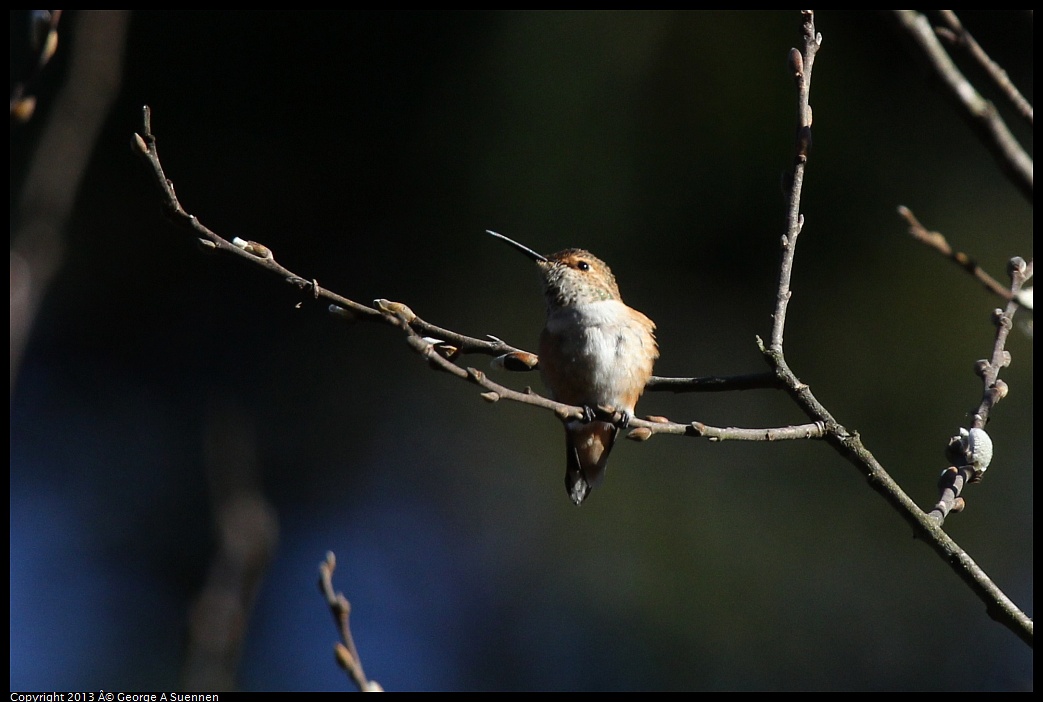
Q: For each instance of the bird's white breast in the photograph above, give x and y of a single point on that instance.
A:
(606, 346)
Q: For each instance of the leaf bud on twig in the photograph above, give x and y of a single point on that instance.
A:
(140, 144)
(395, 309)
(639, 434)
(796, 64)
(1000, 389)
(519, 361)
(342, 312)
(50, 46)
(976, 447)
(22, 109)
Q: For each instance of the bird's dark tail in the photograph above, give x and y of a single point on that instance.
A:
(586, 453)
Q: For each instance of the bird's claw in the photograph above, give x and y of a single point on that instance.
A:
(606, 413)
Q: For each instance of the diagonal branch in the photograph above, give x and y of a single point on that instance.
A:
(846, 442)
(440, 346)
(971, 451)
(957, 35)
(938, 242)
(979, 112)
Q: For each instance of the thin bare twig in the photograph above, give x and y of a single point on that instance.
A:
(957, 35)
(968, 466)
(979, 112)
(938, 242)
(848, 443)
(440, 346)
(750, 381)
(346, 653)
(801, 64)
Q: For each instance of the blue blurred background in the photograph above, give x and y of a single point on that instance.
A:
(371, 151)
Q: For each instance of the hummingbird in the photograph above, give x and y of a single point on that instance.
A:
(594, 351)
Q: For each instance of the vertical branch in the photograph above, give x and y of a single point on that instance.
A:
(43, 31)
(801, 63)
(247, 531)
(347, 655)
(847, 443)
(41, 213)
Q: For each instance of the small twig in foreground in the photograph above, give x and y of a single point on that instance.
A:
(937, 241)
(347, 654)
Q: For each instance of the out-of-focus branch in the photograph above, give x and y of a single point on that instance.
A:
(43, 38)
(37, 239)
(937, 241)
(979, 112)
(346, 653)
(957, 35)
(247, 530)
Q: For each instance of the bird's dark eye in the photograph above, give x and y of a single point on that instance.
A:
(583, 266)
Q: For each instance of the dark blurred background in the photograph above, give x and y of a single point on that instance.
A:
(371, 151)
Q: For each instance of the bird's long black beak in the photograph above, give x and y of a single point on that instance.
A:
(524, 249)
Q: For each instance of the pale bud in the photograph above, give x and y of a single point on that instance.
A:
(396, 309)
(1000, 388)
(22, 109)
(977, 448)
(520, 361)
(140, 144)
(50, 46)
(1024, 298)
(639, 434)
(796, 63)
(1016, 265)
(342, 312)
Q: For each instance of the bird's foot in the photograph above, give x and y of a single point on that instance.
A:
(620, 417)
